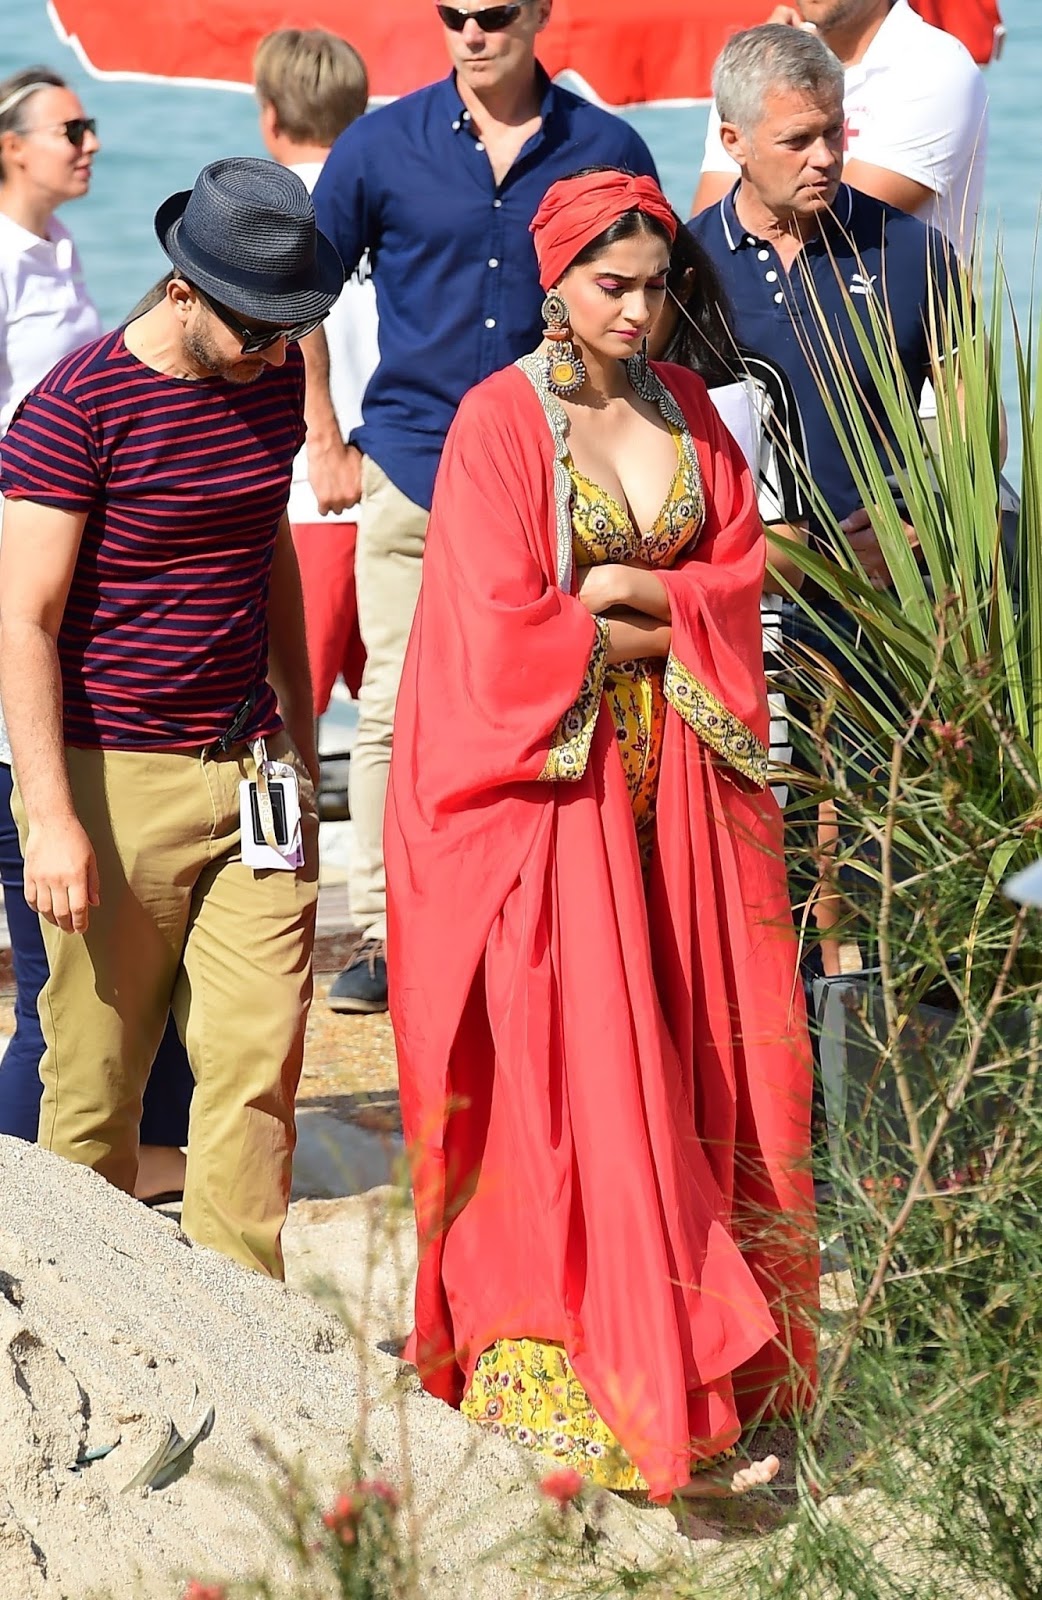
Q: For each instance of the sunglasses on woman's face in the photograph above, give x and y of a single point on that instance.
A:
(75, 130)
(252, 341)
(490, 19)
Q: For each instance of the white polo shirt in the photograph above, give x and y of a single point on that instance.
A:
(45, 314)
(915, 104)
(45, 311)
(353, 353)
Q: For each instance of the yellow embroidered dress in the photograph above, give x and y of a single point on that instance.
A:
(522, 1387)
(603, 532)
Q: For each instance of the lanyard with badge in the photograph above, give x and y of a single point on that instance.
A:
(269, 815)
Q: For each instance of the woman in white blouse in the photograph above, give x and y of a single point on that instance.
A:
(47, 148)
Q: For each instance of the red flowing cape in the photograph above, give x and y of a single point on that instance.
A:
(605, 1088)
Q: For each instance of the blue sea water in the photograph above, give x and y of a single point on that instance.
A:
(157, 136)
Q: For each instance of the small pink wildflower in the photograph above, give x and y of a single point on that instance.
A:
(343, 1516)
(949, 734)
(564, 1486)
(205, 1591)
(380, 1489)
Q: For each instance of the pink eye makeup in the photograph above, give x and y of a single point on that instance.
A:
(619, 286)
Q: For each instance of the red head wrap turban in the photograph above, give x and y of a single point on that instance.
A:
(574, 211)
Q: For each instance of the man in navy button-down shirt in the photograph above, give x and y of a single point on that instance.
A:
(439, 188)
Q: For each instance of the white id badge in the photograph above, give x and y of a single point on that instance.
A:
(269, 817)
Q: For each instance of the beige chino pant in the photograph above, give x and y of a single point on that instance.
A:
(183, 924)
(388, 565)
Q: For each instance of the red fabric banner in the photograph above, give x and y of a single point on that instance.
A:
(627, 54)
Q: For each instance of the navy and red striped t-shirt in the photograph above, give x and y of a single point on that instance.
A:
(183, 482)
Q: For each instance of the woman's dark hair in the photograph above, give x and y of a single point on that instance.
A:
(703, 339)
(629, 226)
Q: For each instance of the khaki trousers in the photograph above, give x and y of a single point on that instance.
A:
(388, 565)
(183, 924)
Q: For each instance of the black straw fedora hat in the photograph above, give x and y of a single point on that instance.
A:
(245, 234)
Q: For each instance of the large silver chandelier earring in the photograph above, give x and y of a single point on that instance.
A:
(565, 372)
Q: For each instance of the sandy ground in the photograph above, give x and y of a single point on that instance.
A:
(349, 1066)
(113, 1327)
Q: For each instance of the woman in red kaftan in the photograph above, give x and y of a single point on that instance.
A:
(605, 1072)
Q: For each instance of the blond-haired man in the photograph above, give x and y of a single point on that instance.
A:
(310, 86)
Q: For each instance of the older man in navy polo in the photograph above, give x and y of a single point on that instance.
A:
(804, 256)
(439, 188)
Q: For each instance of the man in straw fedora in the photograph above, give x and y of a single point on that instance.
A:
(153, 668)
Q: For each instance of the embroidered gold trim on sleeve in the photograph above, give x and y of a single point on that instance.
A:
(570, 746)
(717, 727)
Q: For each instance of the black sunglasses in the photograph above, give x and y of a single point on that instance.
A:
(255, 340)
(75, 130)
(490, 19)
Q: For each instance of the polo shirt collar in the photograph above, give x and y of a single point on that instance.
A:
(18, 241)
(841, 213)
(734, 233)
(459, 117)
(738, 238)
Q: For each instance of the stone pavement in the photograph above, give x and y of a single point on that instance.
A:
(335, 1158)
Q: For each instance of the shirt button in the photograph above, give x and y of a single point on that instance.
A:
(456, 126)
(749, 239)
(493, 261)
(779, 297)
(763, 255)
(466, 116)
(497, 204)
(490, 322)
(772, 277)
(478, 145)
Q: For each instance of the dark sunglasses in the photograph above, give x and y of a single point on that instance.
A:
(490, 19)
(75, 130)
(254, 340)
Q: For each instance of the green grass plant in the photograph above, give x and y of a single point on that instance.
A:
(934, 1180)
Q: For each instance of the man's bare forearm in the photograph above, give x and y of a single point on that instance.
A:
(334, 468)
(781, 570)
(288, 671)
(318, 404)
(31, 689)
